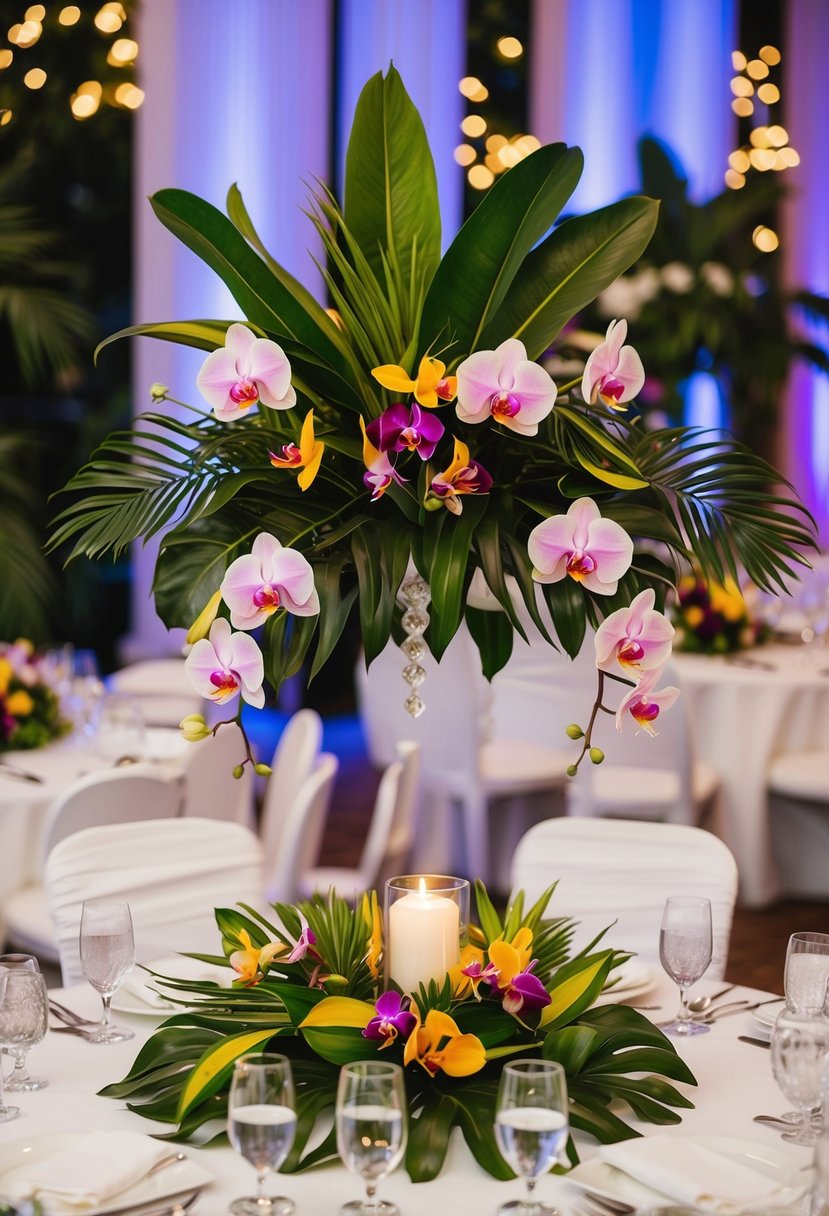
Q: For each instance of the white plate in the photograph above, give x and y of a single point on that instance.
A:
(174, 1179)
(141, 995)
(777, 1163)
(634, 979)
(766, 1015)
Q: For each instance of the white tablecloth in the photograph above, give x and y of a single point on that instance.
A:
(743, 716)
(734, 1078)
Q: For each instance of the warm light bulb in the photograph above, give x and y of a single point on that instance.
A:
(5, 117)
(123, 50)
(757, 70)
(738, 61)
(743, 107)
(770, 55)
(69, 15)
(765, 239)
(739, 161)
(465, 154)
(473, 88)
(788, 158)
(494, 142)
(83, 106)
(768, 93)
(734, 180)
(90, 88)
(36, 12)
(28, 34)
(759, 137)
(527, 144)
(510, 48)
(778, 136)
(35, 78)
(108, 21)
(473, 125)
(6, 57)
(479, 177)
(129, 95)
(741, 87)
(762, 159)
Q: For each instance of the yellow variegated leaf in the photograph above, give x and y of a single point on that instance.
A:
(334, 1011)
(204, 1079)
(620, 480)
(567, 993)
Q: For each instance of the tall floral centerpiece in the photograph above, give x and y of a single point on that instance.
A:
(410, 425)
(30, 709)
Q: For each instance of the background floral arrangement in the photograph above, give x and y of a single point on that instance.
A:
(411, 424)
(30, 713)
(714, 618)
(312, 986)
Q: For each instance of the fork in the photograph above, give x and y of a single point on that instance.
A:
(590, 1204)
(68, 1015)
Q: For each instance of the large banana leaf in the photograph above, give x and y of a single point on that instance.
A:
(568, 270)
(391, 199)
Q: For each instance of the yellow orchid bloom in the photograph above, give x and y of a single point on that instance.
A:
(431, 388)
(438, 1045)
(370, 909)
(306, 457)
(201, 626)
(20, 704)
(249, 961)
(511, 958)
(464, 985)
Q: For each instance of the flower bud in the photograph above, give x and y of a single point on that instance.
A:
(574, 731)
(262, 770)
(194, 728)
(158, 391)
(596, 755)
(572, 769)
(238, 771)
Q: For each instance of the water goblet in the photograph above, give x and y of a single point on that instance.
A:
(7, 1113)
(121, 728)
(531, 1126)
(107, 955)
(261, 1125)
(371, 1129)
(806, 972)
(24, 1020)
(685, 947)
(20, 1081)
(799, 1043)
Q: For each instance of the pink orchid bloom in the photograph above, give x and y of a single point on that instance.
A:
(478, 974)
(644, 705)
(462, 476)
(305, 944)
(638, 637)
(504, 385)
(268, 578)
(613, 372)
(246, 371)
(594, 551)
(380, 472)
(225, 664)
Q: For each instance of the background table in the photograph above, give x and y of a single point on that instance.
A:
(734, 1078)
(743, 716)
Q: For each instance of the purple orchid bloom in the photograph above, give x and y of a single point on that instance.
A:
(479, 974)
(401, 430)
(393, 1019)
(305, 945)
(525, 991)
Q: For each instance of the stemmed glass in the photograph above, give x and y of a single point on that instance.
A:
(107, 955)
(24, 1020)
(7, 1113)
(685, 947)
(799, 1043)
(531, 1126)
(806, 972)
(371, 1129)
(121, 728)
(20, 1081)
(261, 1125)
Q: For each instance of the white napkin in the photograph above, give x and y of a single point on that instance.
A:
(92, 1170)
(692, 1174)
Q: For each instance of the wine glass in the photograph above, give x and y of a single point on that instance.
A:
(371, 1129)
(799, 1043)
(121, 728)
(24, 1020)
(685, 946)
(20, 1081)
(806, 973)
(261, 1125)
(7, 1113)
(107, 956)
(531, 1126)
(87, 691)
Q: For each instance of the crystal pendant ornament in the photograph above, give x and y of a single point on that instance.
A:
(415, 595)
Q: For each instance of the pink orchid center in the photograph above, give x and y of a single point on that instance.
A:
(443, 388)
(504, 405)
(244, 393)
(266, 597)
(644, 710)
(290, 454)
(611, 387)
(410, 438)
(579, 565)
(224, 681)
(629, 652)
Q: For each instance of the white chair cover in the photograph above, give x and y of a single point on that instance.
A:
(622, 871)
(210, 789)
(293, 762)
(299, 843)
(163, 688)
(172, 872)
(798, 785)
(461, 765)
(121, 795)
(389, 837)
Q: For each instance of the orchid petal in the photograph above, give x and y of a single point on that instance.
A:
(216, 376)
(239, 341)
(512, 354)
(463, 1056)
(477, 383)
(394, 378)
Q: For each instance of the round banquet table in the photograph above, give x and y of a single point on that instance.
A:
(745, 710)
(24, 805)
(735, 1082)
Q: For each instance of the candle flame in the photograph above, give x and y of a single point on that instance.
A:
(423, 886)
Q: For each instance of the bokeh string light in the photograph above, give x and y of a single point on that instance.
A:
(104, 22)
(485, 154)
(768, 148)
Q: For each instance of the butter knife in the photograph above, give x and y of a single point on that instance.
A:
(746, 1038)
(20, 774)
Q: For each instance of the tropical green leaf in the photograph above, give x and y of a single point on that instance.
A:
(429, 1137)
(334, 610)
(492, 633)
(203, 335)
(391, 201)
(576, 262)
(484, 257)
(447, 540)
(381, 554)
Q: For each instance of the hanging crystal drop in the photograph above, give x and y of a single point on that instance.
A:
(415, 595)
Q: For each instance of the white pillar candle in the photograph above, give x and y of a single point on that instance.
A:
(424, 934)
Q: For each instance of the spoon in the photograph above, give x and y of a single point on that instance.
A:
(700, 1004)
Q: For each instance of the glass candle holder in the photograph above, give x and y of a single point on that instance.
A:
(426, 924)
